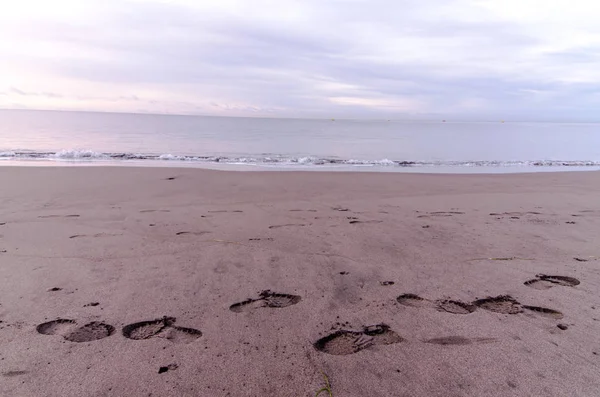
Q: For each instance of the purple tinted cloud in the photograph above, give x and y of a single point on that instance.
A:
(344, 58)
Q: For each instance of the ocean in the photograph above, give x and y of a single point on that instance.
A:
(85, 138)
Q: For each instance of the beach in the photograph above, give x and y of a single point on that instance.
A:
(125, 281)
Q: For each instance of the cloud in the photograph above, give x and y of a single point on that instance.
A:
(14, 90)
(341, 58)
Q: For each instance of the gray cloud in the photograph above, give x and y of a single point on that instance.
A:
(351, 58)
(17, 91)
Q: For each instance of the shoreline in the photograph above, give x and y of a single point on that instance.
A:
(196, 282)
(420, 170)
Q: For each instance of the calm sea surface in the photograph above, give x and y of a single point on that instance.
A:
(66, 138)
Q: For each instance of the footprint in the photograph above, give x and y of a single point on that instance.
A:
(515, 213)
(441, 213)
(95, 235)
(14, 373)
(90, 332)
(455, 307)
(146, 329)
(161, 328)
(247, 305)
(537, 283)
(146, 211)
(266, 299)
(545, 282)
(344, 342)
(458, 341)
(504, 304)
(386, 283)
(58, 216)
(560, 280)
(544, 311)
(354, 222)
(382, 334)
(191, 233)
(286, 225)
(341, 209)
(68, 330)
(56, 327)
(414, 301)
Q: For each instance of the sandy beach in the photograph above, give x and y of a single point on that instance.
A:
(120, 281)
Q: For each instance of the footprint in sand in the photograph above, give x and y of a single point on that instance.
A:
(191, 233)
(266, 299)
(355, 222)
(286, 225)
(515, 214)
(161, 328)
(94, 235)
(544, 281)
(341, 209)
(69, 330)
(442, 305)
(413, 300)
(455, 306)
(58, 216)
(506, 304)
(544, 311)
(344, 342)
(441, 213)
(458, 341)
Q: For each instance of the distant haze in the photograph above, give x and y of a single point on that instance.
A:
(436, 59)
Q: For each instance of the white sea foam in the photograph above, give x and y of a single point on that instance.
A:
(283, 160)
(78, 154)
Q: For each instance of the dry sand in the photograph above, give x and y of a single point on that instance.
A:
(110, 250)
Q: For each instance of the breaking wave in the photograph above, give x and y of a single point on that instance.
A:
(275, 160)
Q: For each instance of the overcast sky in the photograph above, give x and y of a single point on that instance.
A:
(461, 59)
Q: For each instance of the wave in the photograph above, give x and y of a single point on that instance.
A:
(278, 160)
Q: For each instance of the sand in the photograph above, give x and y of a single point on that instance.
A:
(187, 282)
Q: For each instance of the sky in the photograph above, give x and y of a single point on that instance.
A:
(528, 60)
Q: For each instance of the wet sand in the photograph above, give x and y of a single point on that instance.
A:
(187, 282)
